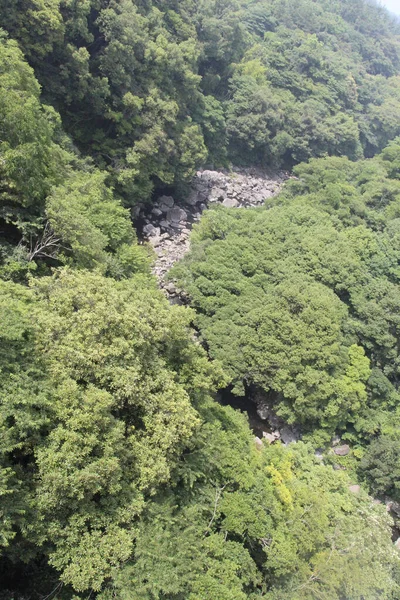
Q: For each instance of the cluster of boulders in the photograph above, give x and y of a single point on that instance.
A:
(279, 429)
(167, 223)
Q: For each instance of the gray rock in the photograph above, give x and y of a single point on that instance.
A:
(156, 212)
(262, 410)
(393, 507)
(230, 203)
(342, 450)
(258, 443)
(156, 241)
(355, 489)
(193, 198)
(136, 210)
(269, 437)
(167, 201)
(171, 288)
(176, 215)
(217, 195)
(149, 230)
(288, 435)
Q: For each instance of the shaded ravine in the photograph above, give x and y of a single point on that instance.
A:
(167, 224)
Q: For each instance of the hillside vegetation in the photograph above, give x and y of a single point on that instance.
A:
(121, 476)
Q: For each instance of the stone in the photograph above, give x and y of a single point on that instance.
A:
(149, 230)
(171, 288)
(217, 194)
(176, 215)
(230, 203)
(156, 212)
(136, 210)
(269, 437)
(393, 507)
(193, 198)
(164, 224)
(263, 410)
(288, 435)
(336, 440)
(397, 543)
(155, 241)
(342, 450)
(167, 201)
(355, 489)
(258, 443)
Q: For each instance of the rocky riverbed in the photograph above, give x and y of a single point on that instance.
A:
(167, 225)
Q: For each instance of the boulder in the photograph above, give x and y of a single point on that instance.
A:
(149, 230)
(288, 435)
(193, 198)
(393, 507)
(156, 241)
(170, 287)
(269, 437)
(176, 215)
(167, 201)
(217, 195)
(342, 450)
(156, 212)
(230, 203)
(258, 443)
(263, 410)
(136, 210)
(355, 489)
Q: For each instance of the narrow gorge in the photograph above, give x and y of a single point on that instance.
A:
(167, 223)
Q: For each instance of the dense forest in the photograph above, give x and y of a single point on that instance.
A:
(122, 474)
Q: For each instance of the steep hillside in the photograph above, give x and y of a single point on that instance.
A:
(151, 90)
(123, 473)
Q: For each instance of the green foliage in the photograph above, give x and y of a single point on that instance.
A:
(282, 526)
(84, 215)
(97, 420)
(120, 475)
(380, 466)
(30, 161)
(151, 90)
